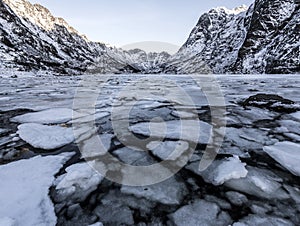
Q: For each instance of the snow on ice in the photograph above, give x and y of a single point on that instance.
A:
(24, 193)
(45, 137)
(77, 183)
(50, 116)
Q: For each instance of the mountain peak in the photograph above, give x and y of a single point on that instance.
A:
(38, 15)
(234, 11)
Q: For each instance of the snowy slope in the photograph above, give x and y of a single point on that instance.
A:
(32, 39)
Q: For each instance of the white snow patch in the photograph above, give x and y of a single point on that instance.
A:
(234, 11)
(287, 154)
(232, 168)
(24, 190)
(45, 137)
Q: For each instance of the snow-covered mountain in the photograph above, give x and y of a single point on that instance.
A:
(32, 39)
(132, 61)
(263, 38)
(272, 44)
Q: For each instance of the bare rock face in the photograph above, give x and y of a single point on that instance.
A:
(271, 42)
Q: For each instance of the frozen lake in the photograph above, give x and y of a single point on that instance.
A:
(125, 124)
(38, 93)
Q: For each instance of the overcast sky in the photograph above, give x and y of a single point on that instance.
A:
(121, 22)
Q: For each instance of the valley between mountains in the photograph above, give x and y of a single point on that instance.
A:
(260, 39)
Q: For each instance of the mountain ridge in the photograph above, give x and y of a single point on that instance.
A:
(261, 38)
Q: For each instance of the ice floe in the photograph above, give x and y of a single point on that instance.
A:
(221, 171)
(258, 220)
(89, 118)
(50, 116)
(287, 154)
(231, 168)
(289, 126)
(259, 182)
(296, 115)
(96, 224)
(189, 130)
(115, 214)
(77, 183)
(45, 137)
(24, 190)
(201, 213)
(91, 147)
(116, 198)
(169, 192)
(134, 157)
(248, 138)
(168, 149)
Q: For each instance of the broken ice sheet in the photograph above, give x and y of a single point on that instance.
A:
(168, 149)
(50, 116)
(24, 195)
(255, 220)
(45, 137)
(287, 154)
(259, 182)
(221, 171)
(189, 130)
(200, 212)
(169, 192)
(77, 183)
(296, 115)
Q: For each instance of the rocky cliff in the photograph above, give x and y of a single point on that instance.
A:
(262, 38)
